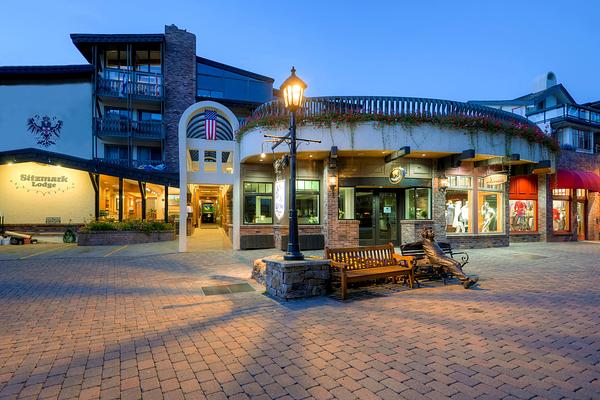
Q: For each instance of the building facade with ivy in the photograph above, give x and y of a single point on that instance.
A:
(147, 129)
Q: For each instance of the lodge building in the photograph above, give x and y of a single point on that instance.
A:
(125, 137)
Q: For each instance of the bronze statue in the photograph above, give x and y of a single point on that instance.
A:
(436, 256)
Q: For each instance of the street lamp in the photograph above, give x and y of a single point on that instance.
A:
(293, 95)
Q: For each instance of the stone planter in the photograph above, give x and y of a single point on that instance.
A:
(296, 279)
(103, 238)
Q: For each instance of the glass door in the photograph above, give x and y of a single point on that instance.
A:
(387, 226)
(581, 220)
(363, 206)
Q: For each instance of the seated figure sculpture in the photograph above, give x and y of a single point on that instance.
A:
(436, 256)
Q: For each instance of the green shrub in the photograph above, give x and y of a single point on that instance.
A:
(130, 225)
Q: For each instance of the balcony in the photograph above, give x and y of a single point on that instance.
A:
(150, 165)
(139, 85)
(124, 128)
(566, 113)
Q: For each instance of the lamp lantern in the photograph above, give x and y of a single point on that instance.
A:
(293, 91)
(443, 183)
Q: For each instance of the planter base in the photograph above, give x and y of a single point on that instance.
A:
(105, 238)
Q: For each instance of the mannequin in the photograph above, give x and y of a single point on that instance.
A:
(456, 223)
(450, 213)
(464, 217)
(488, 215)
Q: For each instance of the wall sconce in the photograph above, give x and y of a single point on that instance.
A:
(333, 180)
(442, 184)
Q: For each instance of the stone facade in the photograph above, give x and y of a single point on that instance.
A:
(180, 86)
(478, 241)
(338, 232)
(296, 279)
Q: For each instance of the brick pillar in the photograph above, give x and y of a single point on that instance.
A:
(338, 232)
(180, 86)
(544, 208)
(438, 208)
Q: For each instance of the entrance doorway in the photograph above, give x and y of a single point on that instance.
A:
(379, 219)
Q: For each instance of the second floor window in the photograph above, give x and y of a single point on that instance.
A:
(115, 152)
(149, 116)
(147, 153)
(116, 113)
(582, 140)
(148, 61)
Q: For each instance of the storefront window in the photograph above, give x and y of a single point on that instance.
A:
(523, 215)
(417, 203)
(561, 209)
(459, 196)
(109, 198)
(346, 203)
(490, 206)
(173, 202)
(258, 203)
(307, 202)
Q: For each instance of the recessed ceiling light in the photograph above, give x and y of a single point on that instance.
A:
(310, 155)
(424, 155)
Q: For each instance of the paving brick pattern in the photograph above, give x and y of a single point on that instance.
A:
(141, 328)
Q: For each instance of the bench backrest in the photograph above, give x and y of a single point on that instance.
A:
(353, 256)
(416, 249)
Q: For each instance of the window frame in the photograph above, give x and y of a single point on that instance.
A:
(244, 194)
(310, 192)
(414, 198)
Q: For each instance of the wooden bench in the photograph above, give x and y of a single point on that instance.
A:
(367, 263)
(423, 269)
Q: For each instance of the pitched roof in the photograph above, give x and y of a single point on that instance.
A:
(531, 98)
(29, 72)
(83, 41)
(235, 70)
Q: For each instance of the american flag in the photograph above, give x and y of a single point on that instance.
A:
(210, 124)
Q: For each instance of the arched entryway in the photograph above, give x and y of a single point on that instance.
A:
(208, 175)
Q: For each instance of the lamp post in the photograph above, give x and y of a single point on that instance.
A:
(293, 95)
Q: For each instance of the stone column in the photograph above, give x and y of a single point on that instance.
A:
(438, 207)
(180, 86)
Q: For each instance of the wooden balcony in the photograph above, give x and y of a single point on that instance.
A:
(115, 127)
(138, 85)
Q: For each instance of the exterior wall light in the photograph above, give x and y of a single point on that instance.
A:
(333, 180)
(443, 183)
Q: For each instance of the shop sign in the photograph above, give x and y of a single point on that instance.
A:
(495, 179)
(397, 174)
(279, 199)
(43, 184)
(387, 210)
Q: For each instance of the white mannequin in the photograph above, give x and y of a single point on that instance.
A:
(488, 214)
(464, 217)
(457, 223)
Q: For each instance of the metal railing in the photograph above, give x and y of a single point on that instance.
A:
(123, 162)
(124, 127)
(314, 106)
(119, 83)
(582, 114)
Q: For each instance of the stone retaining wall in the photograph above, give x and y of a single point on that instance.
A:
(104, 238)
(296, 279)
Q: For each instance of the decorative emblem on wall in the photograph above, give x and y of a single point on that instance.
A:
(397, 174)
(46, 129)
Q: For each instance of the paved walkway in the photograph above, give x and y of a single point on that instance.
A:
(143, 327)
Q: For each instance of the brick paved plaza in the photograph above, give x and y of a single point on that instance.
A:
(141, 327)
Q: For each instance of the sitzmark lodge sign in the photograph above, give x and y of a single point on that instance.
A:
(43, 184)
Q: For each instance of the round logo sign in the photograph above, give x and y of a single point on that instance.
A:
(397, 174)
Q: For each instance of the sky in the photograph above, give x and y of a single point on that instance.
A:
(448, 49)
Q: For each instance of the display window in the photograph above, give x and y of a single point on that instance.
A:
(417, 203)
(459, 197)
(307, 201)
(523, 215)
(490, 205)
(346, 203)
(561, 210)
(258, 203)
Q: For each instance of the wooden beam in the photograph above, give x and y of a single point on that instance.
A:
(404, 151)
(142, 186)
(95, 178)
(121, 199)
(166, 203)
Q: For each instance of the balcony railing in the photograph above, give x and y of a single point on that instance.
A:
(141, 85)
(578, 113)
(315, 106)
(155, 165)
(115, 127)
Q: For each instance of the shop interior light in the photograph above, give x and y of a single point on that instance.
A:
(443, 183)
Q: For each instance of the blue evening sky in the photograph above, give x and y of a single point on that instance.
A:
(449, 49)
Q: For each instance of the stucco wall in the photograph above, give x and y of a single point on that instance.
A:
(70, 103)
(421, 138)
(68, 194)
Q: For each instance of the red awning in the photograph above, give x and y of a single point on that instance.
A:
(575, 179)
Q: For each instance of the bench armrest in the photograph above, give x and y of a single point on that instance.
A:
(338, 265)
(464, 257)
(409, 260)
